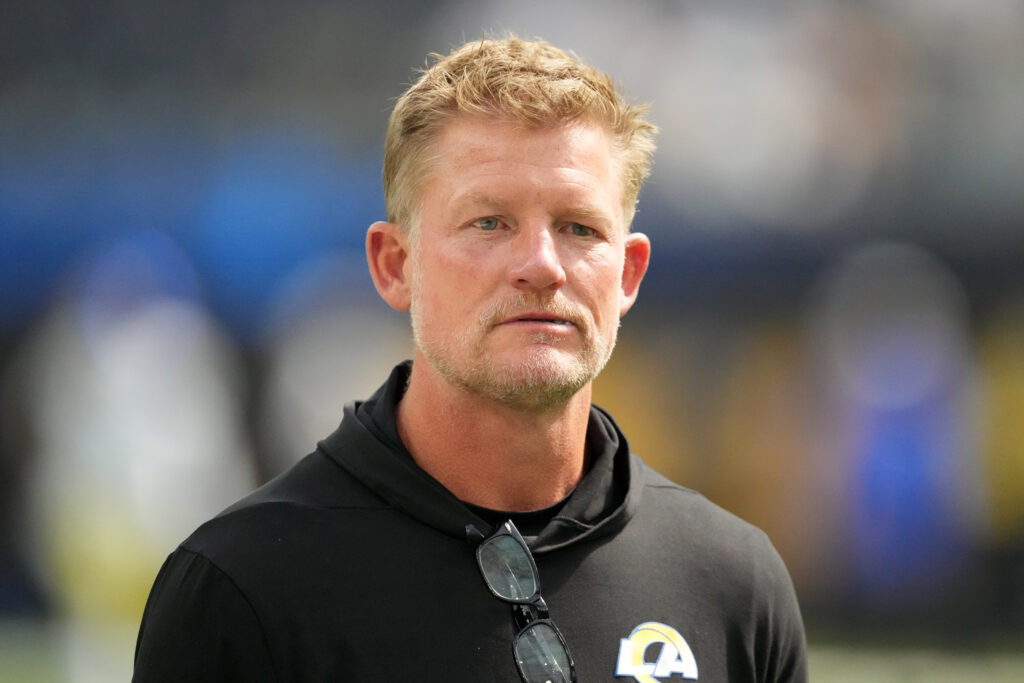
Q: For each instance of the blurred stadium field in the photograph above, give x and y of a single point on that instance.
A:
(846, 664)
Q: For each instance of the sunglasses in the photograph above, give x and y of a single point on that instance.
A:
(511, 575)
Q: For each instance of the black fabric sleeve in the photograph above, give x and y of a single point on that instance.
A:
(198, 626)
(780, 645)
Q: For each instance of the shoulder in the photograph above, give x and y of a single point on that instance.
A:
(314, 481)
(183, 634)
(678, 519)
(729, 563)
(289, 515)
(674, 505)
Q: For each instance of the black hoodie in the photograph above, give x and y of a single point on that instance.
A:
(356, 565)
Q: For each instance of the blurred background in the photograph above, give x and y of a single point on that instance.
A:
(830, 341)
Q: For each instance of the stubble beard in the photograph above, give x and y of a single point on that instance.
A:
(541, 379)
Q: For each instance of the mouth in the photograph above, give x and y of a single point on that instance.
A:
(540, 317)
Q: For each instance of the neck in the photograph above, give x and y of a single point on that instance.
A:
(490, 454)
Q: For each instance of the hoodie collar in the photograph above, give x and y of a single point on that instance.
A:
(368, 446)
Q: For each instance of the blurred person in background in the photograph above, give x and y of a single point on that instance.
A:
(414, 542)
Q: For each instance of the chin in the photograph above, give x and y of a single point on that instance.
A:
(536, 378)
(537, 383)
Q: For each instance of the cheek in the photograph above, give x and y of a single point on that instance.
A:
(601, 284)
(455, 267)
(443, 292)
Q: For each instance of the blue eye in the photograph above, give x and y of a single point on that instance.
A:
(489, 223)
(581, 230)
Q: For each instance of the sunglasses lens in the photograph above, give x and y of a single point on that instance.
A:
(507, 568)
(541, 655)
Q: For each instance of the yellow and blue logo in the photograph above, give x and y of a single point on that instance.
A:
(675, 656)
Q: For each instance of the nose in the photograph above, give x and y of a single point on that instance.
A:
(536, 264)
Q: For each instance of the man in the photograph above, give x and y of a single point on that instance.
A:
(396, 550)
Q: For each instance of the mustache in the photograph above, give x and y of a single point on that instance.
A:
(515, 306)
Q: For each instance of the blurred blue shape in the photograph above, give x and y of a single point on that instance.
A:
(248, 213)
(908, 533)
(60, 198)
(42, 208)
(275, 202)
(893, 328)
(130, 274)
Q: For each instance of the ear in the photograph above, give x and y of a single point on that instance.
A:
(387, 249)
(638, 256)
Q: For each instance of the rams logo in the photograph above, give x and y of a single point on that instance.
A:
(675, 656)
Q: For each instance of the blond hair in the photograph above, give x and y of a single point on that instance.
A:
(530, 82)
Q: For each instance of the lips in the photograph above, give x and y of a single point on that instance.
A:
(522, 310)
(539, 318)
(535, 318)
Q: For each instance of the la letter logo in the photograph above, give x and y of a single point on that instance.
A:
(675, 656)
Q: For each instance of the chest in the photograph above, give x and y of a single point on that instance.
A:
(414, 607)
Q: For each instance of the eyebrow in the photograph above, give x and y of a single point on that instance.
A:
(587, 213)
(479, 199)
(501, 205)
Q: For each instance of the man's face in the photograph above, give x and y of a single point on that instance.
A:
(521, 265)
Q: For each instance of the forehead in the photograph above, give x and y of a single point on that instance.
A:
(479, 154)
